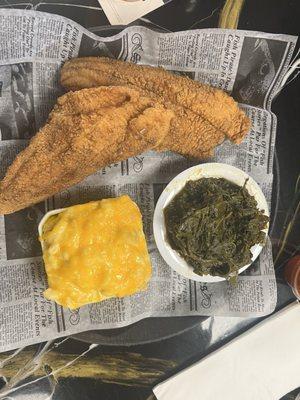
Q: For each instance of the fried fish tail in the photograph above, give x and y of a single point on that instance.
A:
(86, 131)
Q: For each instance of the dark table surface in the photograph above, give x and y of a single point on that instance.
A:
(130, 372)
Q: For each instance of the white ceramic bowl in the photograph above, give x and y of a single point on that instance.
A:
(209, 170)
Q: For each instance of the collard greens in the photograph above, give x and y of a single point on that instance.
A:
(213, 223)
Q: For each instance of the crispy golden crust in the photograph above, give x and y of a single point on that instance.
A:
(144, 108)
(205, 116)
(85, 131)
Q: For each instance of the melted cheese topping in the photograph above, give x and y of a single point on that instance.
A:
(95, 251)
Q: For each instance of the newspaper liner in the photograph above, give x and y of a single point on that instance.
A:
(250, 65)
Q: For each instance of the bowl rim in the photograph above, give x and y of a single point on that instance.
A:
(205, 170)
(44, 219)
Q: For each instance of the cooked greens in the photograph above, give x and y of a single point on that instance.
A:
(213, 223)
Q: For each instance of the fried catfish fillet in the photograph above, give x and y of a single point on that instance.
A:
(86, 131)
(205, 116)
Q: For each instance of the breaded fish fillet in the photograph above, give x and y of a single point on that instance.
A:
(205, 116)
(86, 131)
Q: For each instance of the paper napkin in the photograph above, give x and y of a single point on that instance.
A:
(261, 364)
(122, 12)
